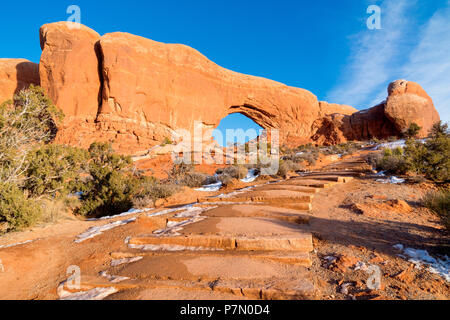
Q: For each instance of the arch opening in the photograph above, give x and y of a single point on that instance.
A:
(236, 128)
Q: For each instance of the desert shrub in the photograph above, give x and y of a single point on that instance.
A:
(437, 158)
(111, 186)
(374, 158)
(234, 171)
(110, 195)
(439, 129)
(397, 151)
(439, 203)
(28, 121)
(54, 210)
(342, 149)
(54, 170)
(308, 157)
(306, 147)
(151, 190)
(185, 175)
(431, 159)
(16, 209)
(286, 166)
(392, 139)
(391, 163)
(166, 141)
(226, 179)
(194, 179)
(412, 132)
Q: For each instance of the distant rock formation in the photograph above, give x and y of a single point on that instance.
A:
(15, 75)
(406, 103)
(136, 92)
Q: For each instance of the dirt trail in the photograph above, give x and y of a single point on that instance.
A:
(268, 241)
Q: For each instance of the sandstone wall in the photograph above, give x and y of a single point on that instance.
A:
(15, 75)
(136, 92)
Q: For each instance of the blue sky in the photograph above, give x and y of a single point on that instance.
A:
(323, 46)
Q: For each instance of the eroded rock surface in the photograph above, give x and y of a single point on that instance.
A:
(15, 75)
(137, 92)
(407, 103)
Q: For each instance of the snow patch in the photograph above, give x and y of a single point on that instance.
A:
(170, 210)
(129, 212)
(118, 262)
(173, 227)
(169, 247)
(93, 294)
(113, 279)
(16, 244)
(393, 145)
(392, 180)
(422, 258)
(213, 187)
(96, 231)
(251, 176)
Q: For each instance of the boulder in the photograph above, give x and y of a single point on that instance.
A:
(407, 103)
(15, 75)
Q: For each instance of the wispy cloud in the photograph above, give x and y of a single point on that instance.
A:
(373, 52)
(381, 56)
(429, 62)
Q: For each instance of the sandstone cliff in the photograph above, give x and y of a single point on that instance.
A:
(136, 92)
(15, 75)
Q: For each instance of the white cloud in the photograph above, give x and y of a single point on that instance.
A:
(429, 63)
(373, 52)
(379, 57)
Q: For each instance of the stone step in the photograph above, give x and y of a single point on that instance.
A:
(308, 183)
(242, 227)
(301, 243)
(260, 197)
(289, 257)
(218, 289)
(278, 194)
(276, 186)
(239, 269)
(339, 179)
(255, 210)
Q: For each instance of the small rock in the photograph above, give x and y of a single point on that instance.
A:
(399, 205)
(4, 227)
(406, 275)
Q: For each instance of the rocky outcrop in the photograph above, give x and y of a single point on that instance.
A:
(152, 89)
(69, 69)
(406, 103)
(136, 92)
(327, 108)
(15, 75)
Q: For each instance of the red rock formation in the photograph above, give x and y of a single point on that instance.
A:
(15, 75)
(331, 108)
(152, 88)
(149, 89)
(69, 69)
(406, 103)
